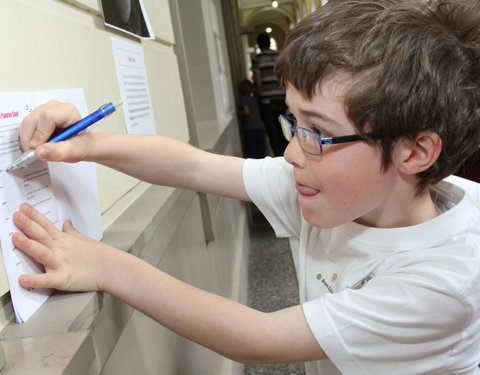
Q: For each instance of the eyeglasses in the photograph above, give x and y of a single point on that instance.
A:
(311, 142)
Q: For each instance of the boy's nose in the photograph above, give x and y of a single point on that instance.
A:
(294, 153)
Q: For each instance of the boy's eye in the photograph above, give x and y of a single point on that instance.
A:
(320, 132)
(293, 120)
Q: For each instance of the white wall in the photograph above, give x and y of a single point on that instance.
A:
(51, 44)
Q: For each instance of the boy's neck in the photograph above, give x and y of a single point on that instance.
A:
(409, 210)
(422, 209)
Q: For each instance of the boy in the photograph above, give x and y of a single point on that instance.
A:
(389, 262)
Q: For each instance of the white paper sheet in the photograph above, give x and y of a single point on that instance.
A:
(133, 84)
(58, 190)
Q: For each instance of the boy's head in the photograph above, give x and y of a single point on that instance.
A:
(246, 87)
(263, 41)
(412, 66)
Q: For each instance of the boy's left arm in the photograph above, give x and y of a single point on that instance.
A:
(220, 324)
(76, 263)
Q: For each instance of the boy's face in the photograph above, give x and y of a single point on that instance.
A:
(347, 182)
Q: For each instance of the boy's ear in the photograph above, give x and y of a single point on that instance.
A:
(416, 156)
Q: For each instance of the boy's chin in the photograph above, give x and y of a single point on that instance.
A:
(320, 221)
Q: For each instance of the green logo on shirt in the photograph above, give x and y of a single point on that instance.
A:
(324, 282)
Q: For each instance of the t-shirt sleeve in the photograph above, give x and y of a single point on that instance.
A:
(270, 185)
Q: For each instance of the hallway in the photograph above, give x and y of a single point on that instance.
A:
(272, 282)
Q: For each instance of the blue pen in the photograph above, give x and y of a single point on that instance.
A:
(29, 156)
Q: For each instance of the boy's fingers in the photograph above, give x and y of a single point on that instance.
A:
(34, 249)
(51, 116)
(35, 225)
(69, 228)
(26, 130)
(45, 126)
(42, 280)
(37, 127)
(40, 219)
(48, 152)
(66, 151)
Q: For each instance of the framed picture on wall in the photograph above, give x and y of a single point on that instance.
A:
(128, 16)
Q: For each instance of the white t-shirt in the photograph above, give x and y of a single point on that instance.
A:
(383, 301)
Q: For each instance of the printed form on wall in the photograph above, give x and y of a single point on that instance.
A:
(133, 84)
(58, 190)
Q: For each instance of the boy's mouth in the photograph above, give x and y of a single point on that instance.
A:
(306, 190)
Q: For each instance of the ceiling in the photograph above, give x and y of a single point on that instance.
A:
(243, 4)
(258, 15)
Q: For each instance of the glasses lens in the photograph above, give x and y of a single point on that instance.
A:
(308, 141)
(286, 128)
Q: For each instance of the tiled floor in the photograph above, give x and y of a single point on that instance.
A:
(272, 283)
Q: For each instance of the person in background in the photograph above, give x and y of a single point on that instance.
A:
(252, 122)
(269, 92)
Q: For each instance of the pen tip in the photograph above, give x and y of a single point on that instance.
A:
(117, 103)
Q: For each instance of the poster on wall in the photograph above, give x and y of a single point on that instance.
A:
(128, 16)
(133, 85)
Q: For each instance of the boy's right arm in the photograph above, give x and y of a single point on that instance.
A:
(155, 159)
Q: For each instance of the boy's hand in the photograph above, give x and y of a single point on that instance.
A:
(38, 126)
(72, 261)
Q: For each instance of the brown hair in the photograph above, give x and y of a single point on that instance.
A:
(415, 67)
(245, 87)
